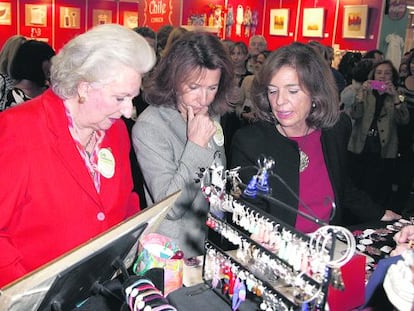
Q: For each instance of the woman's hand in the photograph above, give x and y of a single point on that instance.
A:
(390, 216)
(401, 248)
(404, 239)
(391, 89)
(405, 235)
(360, 94)
(200, 127)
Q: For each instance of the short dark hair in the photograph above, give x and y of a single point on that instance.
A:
(191, 53)
(371, 53)
(347, 64)
(146, 32)
(162, 35)
(362, 69)
(311, 68)
(27, 64)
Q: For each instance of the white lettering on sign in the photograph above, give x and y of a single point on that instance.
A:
(157, 7)
(157, 20)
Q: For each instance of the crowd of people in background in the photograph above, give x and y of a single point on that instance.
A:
(203, 101)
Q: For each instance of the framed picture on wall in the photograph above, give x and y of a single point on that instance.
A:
(101, 17)
(35, 15)
(70, 17)
(313, 22)
(279, 21)
(355, 21)
(5, 13)
(130, 19)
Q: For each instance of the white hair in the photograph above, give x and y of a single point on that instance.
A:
(95, 55)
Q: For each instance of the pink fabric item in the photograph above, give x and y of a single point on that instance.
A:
(315, 188)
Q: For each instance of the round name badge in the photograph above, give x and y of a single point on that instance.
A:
(106, 163)
(218, 136)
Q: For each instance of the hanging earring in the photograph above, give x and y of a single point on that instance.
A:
(81, 99)
(251, 189)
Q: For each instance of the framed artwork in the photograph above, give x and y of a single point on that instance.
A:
(35, 15)
(313, 22)
(5, 13)
(396, 9)
(279, 21)
(130, 19)
(101, 17)
(70, 17)
(355, 21)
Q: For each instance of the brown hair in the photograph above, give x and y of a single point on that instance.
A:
(314, 75)
(187, 57)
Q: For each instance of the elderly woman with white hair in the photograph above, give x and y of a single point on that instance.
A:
(67, 175)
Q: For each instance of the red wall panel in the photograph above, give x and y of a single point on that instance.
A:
(329, 21)
(157, 13)
(36, 19)
(373, 26)
(26, 19)
(8, 21)
(128, 14)
(332, 32)
(101, 12)
(70, 21)
(277, 41)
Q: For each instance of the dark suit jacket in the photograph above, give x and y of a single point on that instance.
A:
(262, 138)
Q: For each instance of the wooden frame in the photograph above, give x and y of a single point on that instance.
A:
(355, 21)
(313, 22)
(279, 21)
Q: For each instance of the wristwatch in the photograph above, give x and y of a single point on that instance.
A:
(401, 99)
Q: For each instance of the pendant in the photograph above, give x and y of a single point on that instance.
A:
(303, 162)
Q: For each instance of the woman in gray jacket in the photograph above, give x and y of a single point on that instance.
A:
(179, 132)
(377, 111)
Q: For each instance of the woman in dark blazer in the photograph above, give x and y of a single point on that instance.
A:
(300, 127)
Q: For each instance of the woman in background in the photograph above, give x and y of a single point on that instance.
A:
(31, 70)
(377, 112)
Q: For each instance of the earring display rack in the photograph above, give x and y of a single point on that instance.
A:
(277, 264)
(274, 265)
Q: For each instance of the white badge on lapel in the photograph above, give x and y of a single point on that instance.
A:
(106, 163)
(218, 136)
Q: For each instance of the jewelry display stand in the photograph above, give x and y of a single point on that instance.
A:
(66, 282)
(274, 266)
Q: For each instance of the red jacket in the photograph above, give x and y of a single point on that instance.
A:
(48, 202)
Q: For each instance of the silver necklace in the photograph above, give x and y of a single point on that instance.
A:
(303, 157)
